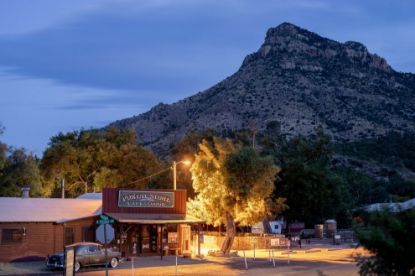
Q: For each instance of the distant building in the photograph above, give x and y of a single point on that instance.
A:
(393, 206)
(274, 227)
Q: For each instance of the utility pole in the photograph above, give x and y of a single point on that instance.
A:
(174, 175)
(63, 186)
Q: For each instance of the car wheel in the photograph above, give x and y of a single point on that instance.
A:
(114, 262)
(77, 266)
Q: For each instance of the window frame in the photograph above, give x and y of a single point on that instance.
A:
(12, 239)
(66, 235)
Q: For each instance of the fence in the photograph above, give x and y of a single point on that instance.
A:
(241, 242)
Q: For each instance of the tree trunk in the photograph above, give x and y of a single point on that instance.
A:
(267, 226)
(230, 234)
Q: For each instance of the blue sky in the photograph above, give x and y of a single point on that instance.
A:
(66, 65)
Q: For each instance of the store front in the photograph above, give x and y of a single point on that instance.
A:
(149, 222)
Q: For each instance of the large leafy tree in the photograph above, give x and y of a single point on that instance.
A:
(185, 149)
(21, 169)
(18, 169)
(313, 191)
(233, 186)
(91, 160)
(390, 237)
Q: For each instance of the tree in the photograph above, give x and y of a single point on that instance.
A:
(91, 160)
(233, 186)
(20, 169)
(3, 151)
(185, 149)
(313, 191)
(390, 237)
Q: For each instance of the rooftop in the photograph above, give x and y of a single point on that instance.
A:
(59, 210)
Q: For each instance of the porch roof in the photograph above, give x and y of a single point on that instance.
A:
(135, 218)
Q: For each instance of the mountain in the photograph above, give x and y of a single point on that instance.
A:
(301, 80)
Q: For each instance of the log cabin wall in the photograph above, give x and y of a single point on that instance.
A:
(40, 238)
(37, 241)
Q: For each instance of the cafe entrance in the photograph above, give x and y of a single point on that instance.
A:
(154, 239)
(149, 222)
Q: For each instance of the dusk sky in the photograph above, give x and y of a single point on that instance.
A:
(66, 65)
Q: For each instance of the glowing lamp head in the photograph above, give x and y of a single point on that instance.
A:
(186, 162)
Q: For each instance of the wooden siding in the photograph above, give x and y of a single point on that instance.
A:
(42, 239)
(110, 203)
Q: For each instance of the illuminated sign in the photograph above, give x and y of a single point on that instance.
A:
(145, 199)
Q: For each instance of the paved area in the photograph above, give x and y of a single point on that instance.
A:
(318, 261)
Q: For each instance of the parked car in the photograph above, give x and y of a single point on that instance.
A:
(86, 254)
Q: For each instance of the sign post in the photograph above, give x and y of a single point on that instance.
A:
(103, 222)
(69, 261)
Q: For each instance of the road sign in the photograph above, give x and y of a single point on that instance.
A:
(101, 221)
(105, 220)
(100, 233)
(69, 261)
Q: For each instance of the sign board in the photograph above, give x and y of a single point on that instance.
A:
(105, 220)
(172, 237)
(69, 261)
(257, 228)
(145, 199)
(201, 238)
(275, 242)
(100, 233)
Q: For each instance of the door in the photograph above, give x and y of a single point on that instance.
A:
(145, 239)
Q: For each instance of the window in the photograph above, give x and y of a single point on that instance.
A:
(81, 250)
(276, 226)
(12, 236)
(88, 234)
(93, 249)
(69, 235)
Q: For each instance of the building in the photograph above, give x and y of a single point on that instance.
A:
(36, 227)
(147, 222)
(392, 206)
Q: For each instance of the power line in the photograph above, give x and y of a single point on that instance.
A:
(149, 176)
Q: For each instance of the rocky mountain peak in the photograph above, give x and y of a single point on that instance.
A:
(300, 80)
(293, 47)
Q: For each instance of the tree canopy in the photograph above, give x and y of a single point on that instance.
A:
(233, 185)
(314, 192)
(91, 160)
(390, 237)
(18, 169)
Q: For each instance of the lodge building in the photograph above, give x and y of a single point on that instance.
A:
(146, 222)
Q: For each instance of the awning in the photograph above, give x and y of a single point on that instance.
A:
(153, 218)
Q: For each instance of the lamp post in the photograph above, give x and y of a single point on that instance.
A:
(186, 162)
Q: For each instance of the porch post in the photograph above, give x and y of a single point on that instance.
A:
(161, 242)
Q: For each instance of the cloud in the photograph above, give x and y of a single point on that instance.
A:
(67, 64)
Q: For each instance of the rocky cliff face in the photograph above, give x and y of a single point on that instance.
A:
(301, 80)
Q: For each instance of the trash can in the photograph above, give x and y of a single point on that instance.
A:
(331, 228)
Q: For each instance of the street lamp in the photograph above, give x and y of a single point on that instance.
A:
(186, 162)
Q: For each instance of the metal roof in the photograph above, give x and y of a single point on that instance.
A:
(91, 196)
(393, 206)
(59, 210)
